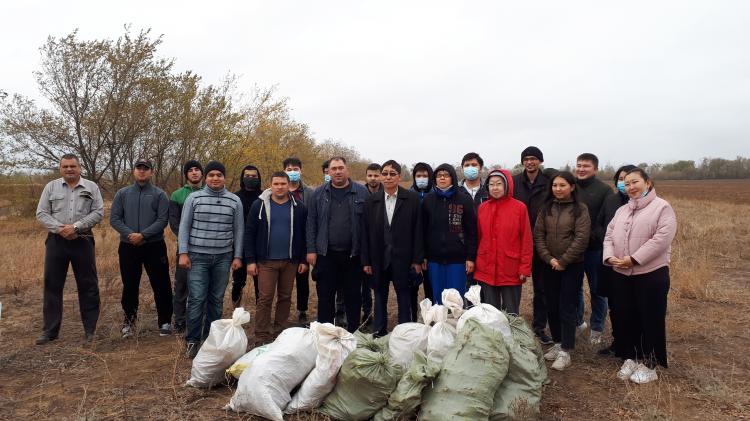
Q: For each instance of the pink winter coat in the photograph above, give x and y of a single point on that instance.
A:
(643, 229)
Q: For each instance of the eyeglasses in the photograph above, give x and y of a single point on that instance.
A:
(389, 174)
(442, 175)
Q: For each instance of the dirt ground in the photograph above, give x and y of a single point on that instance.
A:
(143, 377)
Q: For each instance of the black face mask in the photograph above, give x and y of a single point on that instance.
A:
(251, 183)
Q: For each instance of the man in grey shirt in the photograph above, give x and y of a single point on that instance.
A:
(69, 207)
(140, 213)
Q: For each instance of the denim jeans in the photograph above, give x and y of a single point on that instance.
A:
(207, 281)
(592, 262)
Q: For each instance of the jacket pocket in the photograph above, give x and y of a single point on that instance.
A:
(512, 262)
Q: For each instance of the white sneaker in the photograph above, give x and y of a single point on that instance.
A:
(165, 329)
(562, 361)
(595, 337)
(551, 355)
(127, 331)
(643, 374)
(582, 327)
(627, 369)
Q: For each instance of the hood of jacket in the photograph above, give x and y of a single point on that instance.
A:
(509, 185)
(430, 177)
(451, 171)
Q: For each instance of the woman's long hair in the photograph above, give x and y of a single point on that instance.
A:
(550, 197)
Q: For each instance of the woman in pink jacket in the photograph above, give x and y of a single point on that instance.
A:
(637, 245)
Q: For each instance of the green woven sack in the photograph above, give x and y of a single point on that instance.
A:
(472, 371)
(520, 393)
(366, 340)
(404, 401)
(363, 385)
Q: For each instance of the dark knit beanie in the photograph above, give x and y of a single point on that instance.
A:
(216, 166)
(532, 151)
(191, 164)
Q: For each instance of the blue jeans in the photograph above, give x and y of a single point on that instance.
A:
(444, 277)
(592, 262)
(207, 281)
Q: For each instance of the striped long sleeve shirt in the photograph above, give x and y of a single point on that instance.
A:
(212, 222)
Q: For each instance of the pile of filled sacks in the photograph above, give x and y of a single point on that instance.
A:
(475, 363)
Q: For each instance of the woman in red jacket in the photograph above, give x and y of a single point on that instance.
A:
(505, 244)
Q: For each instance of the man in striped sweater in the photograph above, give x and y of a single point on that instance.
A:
(209, 244)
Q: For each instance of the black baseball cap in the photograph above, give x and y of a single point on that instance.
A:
(143, 162)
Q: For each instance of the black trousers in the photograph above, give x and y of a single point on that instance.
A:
(403, 298)
(427, 287)
(303, 290)
(539, 321)
(59, 255)
(239, 280)
(641, 312)
(561, 290)
(153, 257)
(338, 271)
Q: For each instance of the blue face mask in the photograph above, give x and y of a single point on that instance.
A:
(471, 173)
(293, 176)
(326, 178)
(621, 187)
(421, 182)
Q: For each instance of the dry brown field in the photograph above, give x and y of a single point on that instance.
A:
(143, 377)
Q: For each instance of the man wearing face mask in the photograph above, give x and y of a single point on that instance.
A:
(250, 182)
(472, 165)
(422, 176)
(301, 194)
(193, 172)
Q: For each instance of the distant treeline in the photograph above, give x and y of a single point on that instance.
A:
(706, 169)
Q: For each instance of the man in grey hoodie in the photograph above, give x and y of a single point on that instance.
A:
(140, 213)
(210, 242)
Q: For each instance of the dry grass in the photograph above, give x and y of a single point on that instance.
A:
(709, 315)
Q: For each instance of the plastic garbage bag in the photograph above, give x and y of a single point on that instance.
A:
(236, 369)
(442, 334)
(485, 313)
(226, 343)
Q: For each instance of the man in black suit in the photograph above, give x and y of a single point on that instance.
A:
(392, 244)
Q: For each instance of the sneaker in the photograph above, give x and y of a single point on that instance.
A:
(88, 337)
(627, 369)
(302, 317)
(582, 327)
(562, 361)
(165, 329)
(179, 329)
(610, 350)
(544, 339)
(44, 338)
(553, 352)
(595, 337)
(191, 350)
(643, 374)
(127, 331)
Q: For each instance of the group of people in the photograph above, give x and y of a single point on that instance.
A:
(355, 240)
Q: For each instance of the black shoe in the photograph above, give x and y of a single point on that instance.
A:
(179, 329)
(44, 338)
(192, 349)
(544, 339)
(302, 317)
(610, 350)
(88, 338)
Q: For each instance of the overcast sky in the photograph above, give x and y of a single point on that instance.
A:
(632, 82)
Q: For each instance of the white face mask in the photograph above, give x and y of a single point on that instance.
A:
(422, 182)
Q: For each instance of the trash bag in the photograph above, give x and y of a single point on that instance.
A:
(407, 338)
(404, 401)
(485, 313)
(471, 372)
(333, 344)
(236, 369)
(226, 343)
(363, 385)
(452, 300)
(265, 386)
(367, 340)
(520, 393)
(442, 334)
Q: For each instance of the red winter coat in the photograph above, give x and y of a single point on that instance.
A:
(505, 240)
